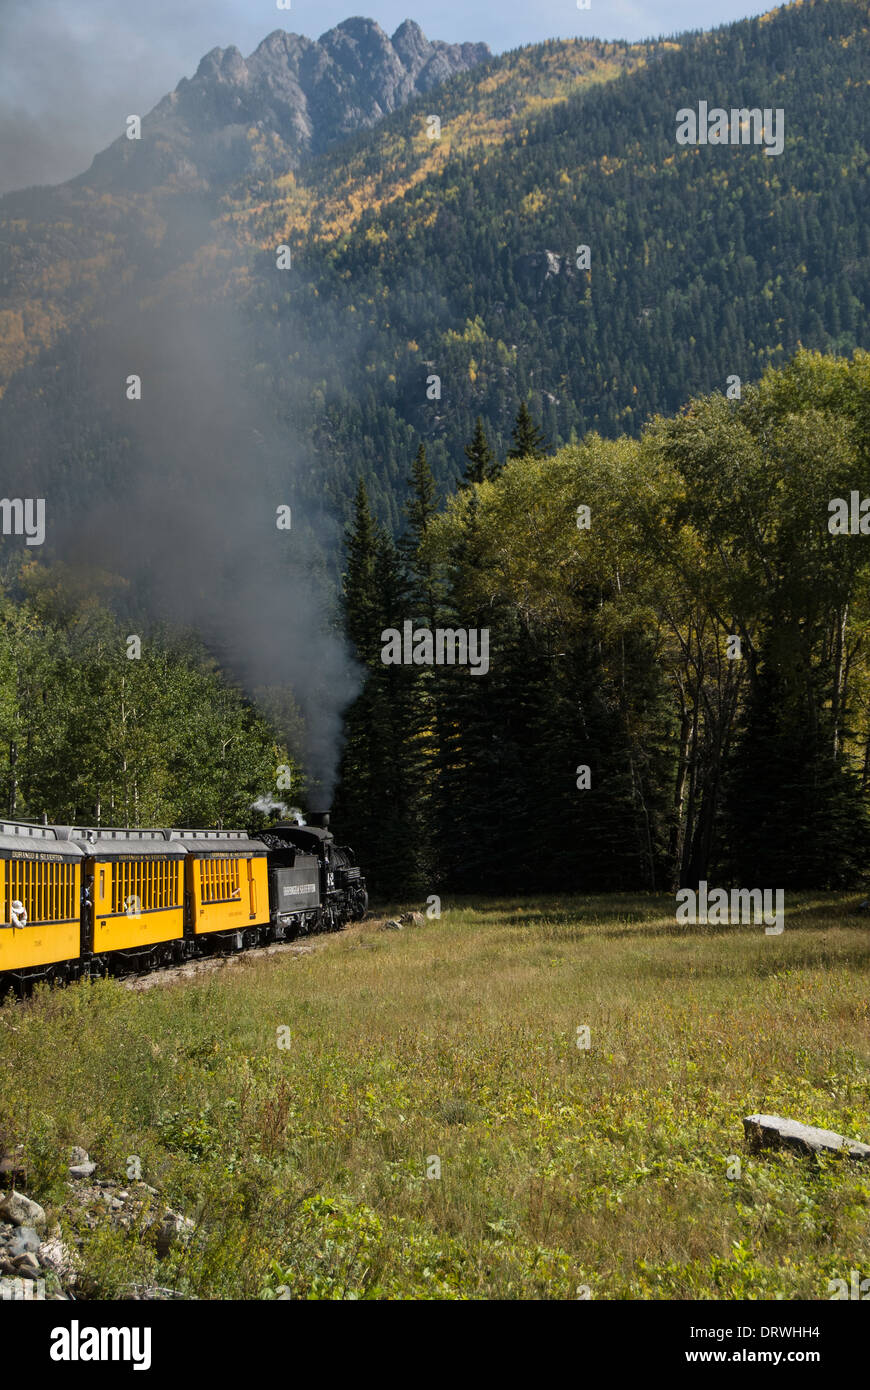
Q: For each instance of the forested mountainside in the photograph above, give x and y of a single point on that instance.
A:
(454, 257)
(704, 261)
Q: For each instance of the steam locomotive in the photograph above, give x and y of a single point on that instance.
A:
(81, 901)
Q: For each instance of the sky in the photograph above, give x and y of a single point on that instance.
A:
(72, 70)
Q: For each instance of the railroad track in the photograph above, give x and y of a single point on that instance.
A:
(205, 965)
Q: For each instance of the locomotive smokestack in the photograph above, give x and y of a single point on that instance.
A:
(319, 818)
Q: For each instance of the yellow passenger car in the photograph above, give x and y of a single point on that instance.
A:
(134, 889)
(41, 886)
(227, 880)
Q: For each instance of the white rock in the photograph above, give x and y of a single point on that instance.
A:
(773, 1132)
(54, 1255)
(82, 1170)
(173, 1227)
(20, 1210)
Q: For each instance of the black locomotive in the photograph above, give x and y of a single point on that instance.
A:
(314, 884)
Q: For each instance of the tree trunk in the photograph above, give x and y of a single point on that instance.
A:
(839, 675)
(13, 780)
(675, 849)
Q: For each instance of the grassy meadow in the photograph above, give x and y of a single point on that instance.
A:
(563, 1169)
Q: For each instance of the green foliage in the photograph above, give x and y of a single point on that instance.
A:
(193, 1134)
(609, 650)
(527, 441)
(89, 736)
(379, 802)
(481, 463)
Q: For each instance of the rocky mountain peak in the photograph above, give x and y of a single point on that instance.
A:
(410, 42)
(309, 94)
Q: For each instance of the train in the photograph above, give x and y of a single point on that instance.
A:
(88, 901)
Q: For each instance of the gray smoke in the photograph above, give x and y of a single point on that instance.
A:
(186, 506)
(71, 72)
(268, 804)
(203, 464)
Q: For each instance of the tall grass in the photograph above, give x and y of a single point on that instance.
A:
(562, 1168)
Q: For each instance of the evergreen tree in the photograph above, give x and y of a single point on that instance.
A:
(795, 814)
(420, 511)
(612, 648)
(421, 507)
(481, 460)
(527, 440)
(380, 800)
(360, 586)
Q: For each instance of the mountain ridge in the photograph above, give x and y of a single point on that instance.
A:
(457, 258)
(307, 94)
(63, 247)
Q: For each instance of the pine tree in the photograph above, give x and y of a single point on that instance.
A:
(421, 507)
(380, 800)
(360, 580)
(527, 440)
(795, 814)
(481, 460)
(420, 510)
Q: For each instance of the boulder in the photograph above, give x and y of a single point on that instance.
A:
(82, 1170)
(534, 268)
(78, 1155)
(19, 1210)
(26, 1266)
(773, 1132)
(26, 1241)
(173, 1228)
